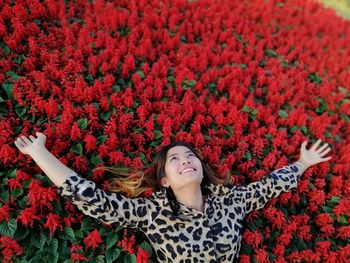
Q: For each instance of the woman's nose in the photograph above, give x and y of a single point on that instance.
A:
(185, 161)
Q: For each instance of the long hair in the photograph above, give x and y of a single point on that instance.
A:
(135, 182)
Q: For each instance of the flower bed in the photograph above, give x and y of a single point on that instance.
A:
(108, 83)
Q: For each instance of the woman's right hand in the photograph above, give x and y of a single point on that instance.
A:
(31, 144)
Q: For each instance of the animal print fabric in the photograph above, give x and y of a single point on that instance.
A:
(179, 233)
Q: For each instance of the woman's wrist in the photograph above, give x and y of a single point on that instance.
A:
(303, 164)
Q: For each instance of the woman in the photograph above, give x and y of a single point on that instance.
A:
(191, 218)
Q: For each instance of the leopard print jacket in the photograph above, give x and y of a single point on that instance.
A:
(179, 233)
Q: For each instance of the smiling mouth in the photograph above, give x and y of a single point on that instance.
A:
(187, 170)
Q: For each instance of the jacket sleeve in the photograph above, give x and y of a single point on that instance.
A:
(106, 206)
(255, 195)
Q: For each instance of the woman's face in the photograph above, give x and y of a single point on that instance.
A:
(182, 169)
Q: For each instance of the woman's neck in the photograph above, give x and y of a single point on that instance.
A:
(191, 198)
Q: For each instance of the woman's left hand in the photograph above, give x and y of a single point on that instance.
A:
(315, 154)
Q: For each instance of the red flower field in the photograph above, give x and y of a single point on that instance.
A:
(108, 82)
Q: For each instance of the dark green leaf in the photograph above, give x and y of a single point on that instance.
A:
(112, 255)
(53, 246)
(82, 123)
(343, 220)
(8, 228)
(105, 115)
(101, 139)
(78, 149)
(68, 231)
(283, 114)
(247, 155)
(157, 134)
(246, 109)
(130, 258)
(16, 193)
(8, 87)
(95, 159)
(21, 233)
(140, 73)
(13, 75)
(111, 240)
(20, 111)
(270, 53)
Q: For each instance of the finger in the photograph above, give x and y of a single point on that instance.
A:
(313, 147)
(20, 142)
(322, 148)
(32, 138)
(324, 152)
(18, 145)
(40, 135)
(326, 159)
(26, 140)
(303, 145)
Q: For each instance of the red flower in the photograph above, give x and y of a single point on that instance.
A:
(343, 232)
(75, 253)
(52, 223)
(142, 256)
(128, 243)
(92, 240)
(75, 132)
(253, 239)
(10, 249)
(27, 216)
(5, 213)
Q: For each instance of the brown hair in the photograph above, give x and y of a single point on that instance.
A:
(133, 183)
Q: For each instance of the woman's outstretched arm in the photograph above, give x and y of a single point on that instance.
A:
(35, 148)
(255, 195)
(106, 206)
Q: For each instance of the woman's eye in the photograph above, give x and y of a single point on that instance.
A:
(173, 158)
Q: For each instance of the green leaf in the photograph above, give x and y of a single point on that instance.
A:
(82, 123)
(101, 139)
(105, 115)
(270, 53)
(86, 225)
(304, 129)
(16, 193)
(53, 245)
(95, 159)
(39, 241)
(327, 209)
(130, 258)
(334, 200)
(246, 109)
(283, 114)
(78, 149)
(21, 233)
(111, 240)
(343, 220)
(53, 258)
(112, 255)
(254, 111)
(143, 158)
(171, 79)
(315, 78)
(247, 155)
(8, 88)
(21, 111)
(189, 83)
(140, 73)
(13, 75)
(116, 88)
(69, 233)
(8, 228)
(157, 134)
